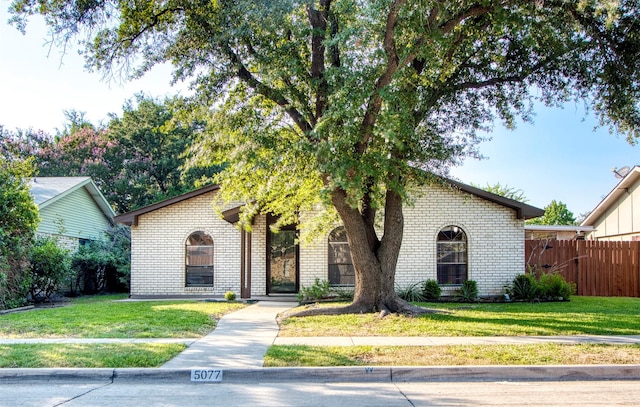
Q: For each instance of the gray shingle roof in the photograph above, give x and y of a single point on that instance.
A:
(46, 190)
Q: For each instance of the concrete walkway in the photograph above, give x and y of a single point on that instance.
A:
(240, 339)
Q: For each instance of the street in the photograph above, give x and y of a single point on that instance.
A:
(147, 393)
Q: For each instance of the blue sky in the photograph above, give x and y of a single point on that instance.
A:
(559, 156)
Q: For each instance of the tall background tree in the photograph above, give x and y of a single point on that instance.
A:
(505, 190)
(354, 103)
(138, 158)
(556, 213)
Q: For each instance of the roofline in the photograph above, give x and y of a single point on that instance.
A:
(92, 189)
(131, 218)
(613, 196)
(523, 211)
(571, 228)
(232, 215)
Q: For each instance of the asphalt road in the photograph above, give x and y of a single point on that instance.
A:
(352, 394)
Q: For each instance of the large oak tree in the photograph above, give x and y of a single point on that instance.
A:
(348, 101)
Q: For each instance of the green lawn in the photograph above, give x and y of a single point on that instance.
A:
(581, 315)
(538, 354)
(104, 317)
(88, 355)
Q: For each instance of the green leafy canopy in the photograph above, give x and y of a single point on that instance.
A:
(358, 94)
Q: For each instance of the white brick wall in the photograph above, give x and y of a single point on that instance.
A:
(495, 240)
(158, 249)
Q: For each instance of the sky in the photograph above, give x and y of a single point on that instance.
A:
(558, 157)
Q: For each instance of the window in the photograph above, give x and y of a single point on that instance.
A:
(341, 270)
(199, 260)
(452, 256)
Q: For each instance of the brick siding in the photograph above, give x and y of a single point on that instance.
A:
(495, 245)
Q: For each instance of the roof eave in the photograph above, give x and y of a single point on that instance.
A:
(612, 196)
(131, 218)
(523, 211)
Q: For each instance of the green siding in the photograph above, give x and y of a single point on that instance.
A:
(78, 213)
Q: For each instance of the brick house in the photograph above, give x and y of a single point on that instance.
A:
(182, 247)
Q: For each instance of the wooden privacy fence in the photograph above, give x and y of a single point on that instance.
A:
(600, 268)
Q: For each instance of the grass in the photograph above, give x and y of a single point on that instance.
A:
(581, 315)
(538, 354)
(87, 355)
(103, 317)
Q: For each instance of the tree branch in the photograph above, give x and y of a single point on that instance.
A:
(318, 20)
(375, 101)
(266, 91)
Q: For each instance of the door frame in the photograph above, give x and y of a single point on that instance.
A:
(271, 219)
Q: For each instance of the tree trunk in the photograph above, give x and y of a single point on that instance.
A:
(374, 259)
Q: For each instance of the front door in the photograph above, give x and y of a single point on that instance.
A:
(282, 261)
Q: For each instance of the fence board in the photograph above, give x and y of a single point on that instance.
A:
(596, 267)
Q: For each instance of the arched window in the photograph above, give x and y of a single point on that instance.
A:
(341, 270)
(452, 255)
(199, 260)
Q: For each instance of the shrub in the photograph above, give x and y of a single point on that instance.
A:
(553, 286)
(343, 293)
(410, 293)
(549, 287)
(524, 287)
(469, 291)
(230, 296)
(318, 291)
(431, 290)
(50, 265)
(103, 265)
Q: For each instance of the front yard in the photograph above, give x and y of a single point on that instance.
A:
(106, 317)
(581, 315)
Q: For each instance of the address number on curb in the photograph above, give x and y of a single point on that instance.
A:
(206, 375)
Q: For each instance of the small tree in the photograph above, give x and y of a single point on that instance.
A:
(18, 222)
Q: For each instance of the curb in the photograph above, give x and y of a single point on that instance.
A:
(333, 374)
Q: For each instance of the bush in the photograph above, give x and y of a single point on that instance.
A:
(318, 291)
(431, 290)
(410, 293)
(552, 286)
(549, 287)
(524, 287)
(230, 296)
(103, 266)
(343, 293)
(50, 265)
(469, 291)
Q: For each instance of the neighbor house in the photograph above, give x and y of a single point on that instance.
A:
(556, 232)
(452, 233)
(617, 216)
(72, 209)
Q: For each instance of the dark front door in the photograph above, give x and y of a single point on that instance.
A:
(282, 261)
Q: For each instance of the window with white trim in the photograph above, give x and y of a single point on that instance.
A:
(452, 256)
(341, 271)
(199, 260)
